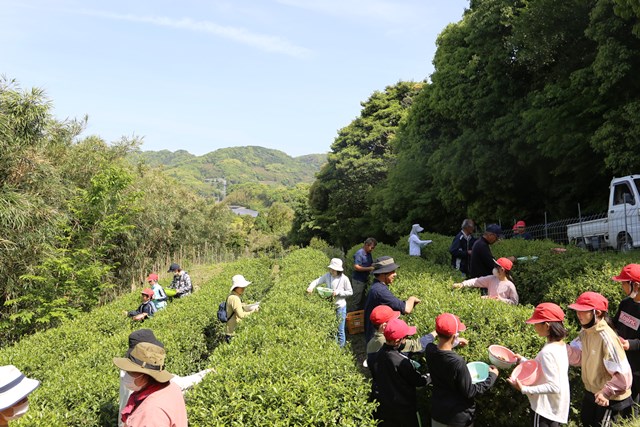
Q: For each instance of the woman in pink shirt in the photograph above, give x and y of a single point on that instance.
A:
(499, 285)
(155, 401)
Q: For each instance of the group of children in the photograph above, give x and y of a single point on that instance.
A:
(607, 350)
(155, 298)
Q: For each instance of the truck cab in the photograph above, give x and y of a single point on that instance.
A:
(624, 224)
(620, 229)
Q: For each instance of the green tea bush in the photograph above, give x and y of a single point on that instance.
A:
(555, 276)
(80, 385)
(284, 368)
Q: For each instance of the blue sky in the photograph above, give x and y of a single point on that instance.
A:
(201, 75)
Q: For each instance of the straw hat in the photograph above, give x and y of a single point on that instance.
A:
(146, 358)
(14, 386)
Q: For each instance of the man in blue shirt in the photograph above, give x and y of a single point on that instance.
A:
(362, 268)
(385, 274)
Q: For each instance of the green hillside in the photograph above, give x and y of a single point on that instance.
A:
(236, 165)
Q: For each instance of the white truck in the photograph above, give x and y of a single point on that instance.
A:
(620, 227)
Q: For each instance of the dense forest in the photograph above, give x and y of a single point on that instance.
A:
(532, 108)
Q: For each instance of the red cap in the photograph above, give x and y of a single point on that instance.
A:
(629, 273)
(148, 292)
(448, 324)
(546, 312)
(152, 277)
(520, 224)
(397, 329)
(590, 301)
(382, 314)
(504, 263)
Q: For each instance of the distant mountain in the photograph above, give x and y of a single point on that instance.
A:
(236, 165)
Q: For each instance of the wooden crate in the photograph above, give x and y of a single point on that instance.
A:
(355, 322)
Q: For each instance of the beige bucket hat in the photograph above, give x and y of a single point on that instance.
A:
(146, 358)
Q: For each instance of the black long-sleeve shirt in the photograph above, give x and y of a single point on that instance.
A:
(481, 259)
(452, 399)
(396, 379)
(458, 249)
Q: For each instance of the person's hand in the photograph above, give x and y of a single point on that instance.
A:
(511, 258)
(468, 251)
(140, 316)
(309, 291)
(335, 293)
(494, 370)
(257, 308)
(456, 285)
(601, 400)
(416, 300)
(515, 383)
(625, 343)
(518, 357)
(462, 342)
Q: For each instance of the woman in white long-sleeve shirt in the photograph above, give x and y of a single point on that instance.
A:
(341, 286)
(415, 244)
(549, 396)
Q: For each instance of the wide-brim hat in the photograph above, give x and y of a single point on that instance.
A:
(384, 264)
(335, 264)
(152, 277)
(148, 292)
(146, 358)
(14, 386)
(238, 281)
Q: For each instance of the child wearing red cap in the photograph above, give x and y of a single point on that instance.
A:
(606, 373)
(549, 397)
(627, 323)
(453, 396)
(146, 309)
(159, 296)
(397, 379)
(499, 285)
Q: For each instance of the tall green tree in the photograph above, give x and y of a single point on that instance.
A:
(343, 198)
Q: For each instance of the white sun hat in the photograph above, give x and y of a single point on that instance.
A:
(14, 386)
(336, 264)
(238, 281)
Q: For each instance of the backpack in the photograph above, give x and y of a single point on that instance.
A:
(222, 312)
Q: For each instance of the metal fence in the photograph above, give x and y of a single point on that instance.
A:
(619, 228)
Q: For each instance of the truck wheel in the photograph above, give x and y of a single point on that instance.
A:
(581, 244)
(625, 245)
